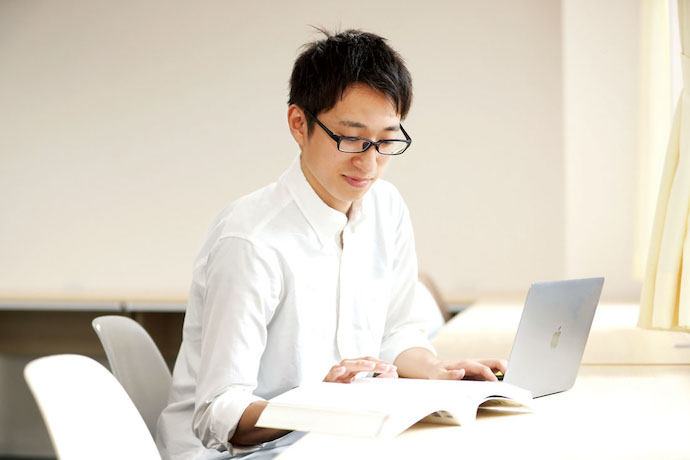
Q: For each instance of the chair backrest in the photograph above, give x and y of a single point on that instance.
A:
(87, 412)
(435, 292)
(136, 363)
(432, 312)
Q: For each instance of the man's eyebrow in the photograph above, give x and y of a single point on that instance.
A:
(357, 124)
(352, 124)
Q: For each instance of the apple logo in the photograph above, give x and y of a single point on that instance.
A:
(556, 337)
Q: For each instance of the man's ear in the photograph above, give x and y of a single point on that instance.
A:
(297, 121)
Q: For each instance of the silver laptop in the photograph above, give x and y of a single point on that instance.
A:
(552, 334)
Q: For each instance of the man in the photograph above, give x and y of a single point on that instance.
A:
(313, 277)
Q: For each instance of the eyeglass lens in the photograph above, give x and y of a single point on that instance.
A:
(360, 145)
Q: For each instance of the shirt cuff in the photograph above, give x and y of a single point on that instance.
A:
(222, 416)
(402, 340)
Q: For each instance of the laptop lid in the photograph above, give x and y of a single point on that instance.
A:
(552, 335)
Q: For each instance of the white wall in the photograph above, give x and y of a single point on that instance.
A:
(484, 184)
(601, 95)
(128, 125)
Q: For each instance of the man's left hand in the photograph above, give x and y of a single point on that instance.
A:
(469, 369)
(420, 363)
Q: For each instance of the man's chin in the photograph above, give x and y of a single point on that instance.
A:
(355, 194)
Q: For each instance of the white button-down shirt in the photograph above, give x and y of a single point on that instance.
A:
(285, 287)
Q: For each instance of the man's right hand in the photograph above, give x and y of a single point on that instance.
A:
(346, 371)
(248, 434)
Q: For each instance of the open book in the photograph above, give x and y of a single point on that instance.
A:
(383, 408)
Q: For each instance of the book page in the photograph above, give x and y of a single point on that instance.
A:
(399, 402)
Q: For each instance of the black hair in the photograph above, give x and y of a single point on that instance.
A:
(327, 67)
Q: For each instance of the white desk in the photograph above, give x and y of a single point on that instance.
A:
(613, 411)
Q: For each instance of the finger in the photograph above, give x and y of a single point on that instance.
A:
(362, 365)
(367, 364)
(381, 364)
(367, 359)
(480, 371)
(335, 373)
(380, 369)
(496, 365)
(359, 365)
(502, 366)
(393, 374)
(452, 374)
(384, 368)
(348, 377)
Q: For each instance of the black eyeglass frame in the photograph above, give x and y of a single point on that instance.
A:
(338, 139)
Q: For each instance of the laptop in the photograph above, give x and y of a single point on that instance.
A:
(552, 334)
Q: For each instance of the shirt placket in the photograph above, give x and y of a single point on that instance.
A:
(347, 347)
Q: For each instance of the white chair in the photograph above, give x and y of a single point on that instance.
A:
(137, 364)
(432, 311)
(87, 412)
(435, 292)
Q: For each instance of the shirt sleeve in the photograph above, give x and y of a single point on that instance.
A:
(241, 294)
(405, 322)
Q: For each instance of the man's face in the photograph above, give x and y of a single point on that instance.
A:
(340, 178)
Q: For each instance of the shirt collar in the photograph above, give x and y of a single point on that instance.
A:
(328, 224)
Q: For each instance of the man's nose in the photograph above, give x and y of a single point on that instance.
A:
(366, 161)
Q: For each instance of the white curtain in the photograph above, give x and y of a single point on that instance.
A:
(660, 86)
(665, 301)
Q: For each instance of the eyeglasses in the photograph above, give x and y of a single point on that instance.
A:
(350, 144)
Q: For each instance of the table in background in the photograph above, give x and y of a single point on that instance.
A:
(41, 327)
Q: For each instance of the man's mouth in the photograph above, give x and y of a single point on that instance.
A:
(358, 182)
